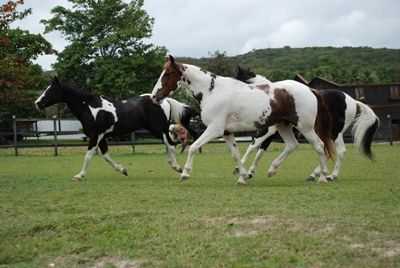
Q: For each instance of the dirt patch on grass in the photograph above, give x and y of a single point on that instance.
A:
(386, 249)
(103, 262)
(117, 262)
(255, 225)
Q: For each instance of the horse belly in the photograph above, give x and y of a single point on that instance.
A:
(248, 112)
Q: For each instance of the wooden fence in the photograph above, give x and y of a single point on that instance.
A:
(136, 138)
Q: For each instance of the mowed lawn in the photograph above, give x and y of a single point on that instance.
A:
(150, 219)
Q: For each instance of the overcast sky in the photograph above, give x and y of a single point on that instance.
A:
(195, 28)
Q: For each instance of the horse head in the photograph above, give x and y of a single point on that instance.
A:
(51, 95)
(169, 79)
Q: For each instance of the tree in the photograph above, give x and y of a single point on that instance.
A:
(220, 64)
(20, 79)
(107, 50)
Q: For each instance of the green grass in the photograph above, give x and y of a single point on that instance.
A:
(150, 219)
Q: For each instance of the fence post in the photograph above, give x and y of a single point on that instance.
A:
(133, 141)
(389, 117)
(55, 135)
(14, 118)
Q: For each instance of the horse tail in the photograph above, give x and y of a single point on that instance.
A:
(323, 125)
(365, 126)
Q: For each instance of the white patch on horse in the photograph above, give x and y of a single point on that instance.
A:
(42, 95)
(158, 85)
(105, 106)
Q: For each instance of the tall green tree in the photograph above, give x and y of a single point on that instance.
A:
(107, 48)
(20, 79)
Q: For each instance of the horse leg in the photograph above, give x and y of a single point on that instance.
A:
(104, 153)
(88, 157)
(291, 144)
(340, 151)
(230, 141)
(257, 143)
(171, 152)
(316, 172)
(318, 145)
(257, 158)
(212, 131)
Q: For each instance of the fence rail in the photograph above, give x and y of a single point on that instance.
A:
(135, 139)
(55, 133)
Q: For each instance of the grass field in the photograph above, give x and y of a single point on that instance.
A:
(150, 219)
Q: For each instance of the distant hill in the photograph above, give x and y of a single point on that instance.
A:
(342, 65)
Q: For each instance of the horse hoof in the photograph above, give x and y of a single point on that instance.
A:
(125, 171)
(178, 169)
(184, 177)
(77, 178)
(271, 173)
(236, 171)
(250, 175)
(331, 178)
(241, 181)
(311, 179)
(322, 180)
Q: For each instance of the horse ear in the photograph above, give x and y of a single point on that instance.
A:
(171, 59)
(55, 79)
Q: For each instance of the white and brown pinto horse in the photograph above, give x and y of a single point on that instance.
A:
(344, 112)
(101, 118)
(228, 106)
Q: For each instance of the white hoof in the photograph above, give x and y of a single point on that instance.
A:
(184, 177)
(241, 181)
(77, 177)
(251, 174)
(331, 178)
(124, 171)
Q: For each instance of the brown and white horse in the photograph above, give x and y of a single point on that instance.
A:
(344, 112)
(228, 106)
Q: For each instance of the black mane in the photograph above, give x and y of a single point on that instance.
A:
(243, 74)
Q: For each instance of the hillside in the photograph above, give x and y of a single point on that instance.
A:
(343, 65)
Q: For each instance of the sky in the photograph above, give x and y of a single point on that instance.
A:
(198, 28)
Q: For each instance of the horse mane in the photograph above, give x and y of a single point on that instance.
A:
(243, 74)
(76, 90)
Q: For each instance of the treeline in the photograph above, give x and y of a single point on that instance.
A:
(109, 53)
(342, 65)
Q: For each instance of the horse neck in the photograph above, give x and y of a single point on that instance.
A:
(76, 100)
(200, 81)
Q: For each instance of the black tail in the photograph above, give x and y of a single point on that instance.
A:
(364, 129)
(367, 139)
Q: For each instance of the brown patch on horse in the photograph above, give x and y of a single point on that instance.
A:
(264, 87)
(283, 108)
(323, 125)
(169, 81)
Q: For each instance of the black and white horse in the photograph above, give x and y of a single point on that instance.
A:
(101, 118)
(344, 111)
